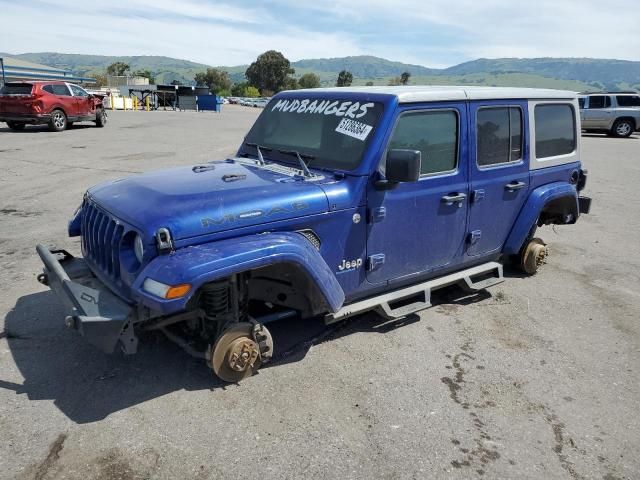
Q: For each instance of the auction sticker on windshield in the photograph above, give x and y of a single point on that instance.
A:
(354, 129)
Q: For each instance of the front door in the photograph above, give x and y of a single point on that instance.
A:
(499, 166)
(419, 227)
(83, 102)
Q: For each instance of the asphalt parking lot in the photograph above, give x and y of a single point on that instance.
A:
(535, 379)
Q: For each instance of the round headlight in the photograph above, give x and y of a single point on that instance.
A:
(138, 248)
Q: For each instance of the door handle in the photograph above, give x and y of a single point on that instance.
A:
(513, 186)
(454, 198)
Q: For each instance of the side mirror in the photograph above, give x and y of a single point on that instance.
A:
(401, 166)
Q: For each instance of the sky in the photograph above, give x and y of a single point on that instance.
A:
(433, 33)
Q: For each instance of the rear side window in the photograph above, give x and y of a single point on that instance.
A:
(599, 101)
(61, 90)
(16, 89)
(555, 130)
(499, 133)
(628, 100)
(581, 101)
(434, 133)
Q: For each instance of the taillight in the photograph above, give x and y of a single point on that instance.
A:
(36, 103)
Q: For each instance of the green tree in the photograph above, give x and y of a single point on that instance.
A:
(290, 84)
(270, 71)
(176, 82)
(118, 68)
(216, 80)
(404, 78)
(251, 91)
(146, 74)
(369, 84)
(101, 80)
(345, 79)
(238, 89)
(309, 80)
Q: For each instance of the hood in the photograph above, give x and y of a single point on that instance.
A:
(203, 199)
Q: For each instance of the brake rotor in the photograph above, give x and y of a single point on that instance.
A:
(236, 354)
(534, 256)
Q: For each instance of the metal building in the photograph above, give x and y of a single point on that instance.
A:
(13, 69)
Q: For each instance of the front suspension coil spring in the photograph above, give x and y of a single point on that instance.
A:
(215, 298)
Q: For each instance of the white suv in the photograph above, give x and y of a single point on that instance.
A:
(615, 113)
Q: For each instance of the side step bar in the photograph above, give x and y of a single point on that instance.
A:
(400, 303)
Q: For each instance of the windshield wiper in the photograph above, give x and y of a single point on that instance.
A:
(258, 147)
(305, 169)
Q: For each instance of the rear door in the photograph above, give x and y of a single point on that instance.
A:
(597, 113)
(499, 171)
(83, 102)
(419, 227)
(61, 99)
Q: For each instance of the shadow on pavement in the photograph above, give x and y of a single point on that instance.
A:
(88, 385)
(44, 128)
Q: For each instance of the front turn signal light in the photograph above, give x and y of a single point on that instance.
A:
(177, 291)
(168, 292)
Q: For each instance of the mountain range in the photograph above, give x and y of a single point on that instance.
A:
(578, 74)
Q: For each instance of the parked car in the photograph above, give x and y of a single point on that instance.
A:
(57, 104)
(339, 201)
(259, 103)
(614, 113)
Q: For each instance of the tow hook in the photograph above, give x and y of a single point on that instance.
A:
(70, 322)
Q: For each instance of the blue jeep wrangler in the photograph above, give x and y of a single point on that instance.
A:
(339, 201)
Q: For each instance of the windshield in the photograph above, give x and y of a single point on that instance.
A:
(330, 133)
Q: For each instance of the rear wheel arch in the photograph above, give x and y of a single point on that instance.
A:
(559, 211)
(554, 203)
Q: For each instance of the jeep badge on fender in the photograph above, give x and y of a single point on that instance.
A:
(339, 201)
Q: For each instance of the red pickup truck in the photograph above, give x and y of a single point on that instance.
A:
(58, 104)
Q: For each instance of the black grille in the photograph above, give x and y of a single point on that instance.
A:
(101, 236)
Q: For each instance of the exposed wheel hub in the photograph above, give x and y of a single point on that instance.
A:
(240, 350)
(534, 256)
(242, 354)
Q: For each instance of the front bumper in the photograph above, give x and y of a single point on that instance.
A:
(21, 118)
(101, 317)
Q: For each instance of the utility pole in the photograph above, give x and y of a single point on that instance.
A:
(2, 68)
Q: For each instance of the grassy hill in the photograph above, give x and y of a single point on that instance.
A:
(600, 73)
(565, 73)
(166, 69)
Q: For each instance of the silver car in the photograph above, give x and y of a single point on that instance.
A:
(614, 113)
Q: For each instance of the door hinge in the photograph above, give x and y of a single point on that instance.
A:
(475, 236)
(477, 195)
(375, 261)
(377, 214)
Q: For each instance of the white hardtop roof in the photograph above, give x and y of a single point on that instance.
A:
(432, 93)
